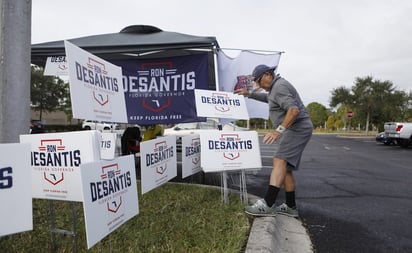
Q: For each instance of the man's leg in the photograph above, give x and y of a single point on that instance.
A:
(290, 207)
(277, 179)
(290, 189)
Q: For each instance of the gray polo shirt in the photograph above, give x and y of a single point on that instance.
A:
(281, 97)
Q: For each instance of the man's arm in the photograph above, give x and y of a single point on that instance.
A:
(289, 119)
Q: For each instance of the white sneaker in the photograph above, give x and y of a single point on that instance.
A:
(260, 208)
(286, 210)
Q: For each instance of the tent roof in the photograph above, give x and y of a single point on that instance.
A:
(133, 39)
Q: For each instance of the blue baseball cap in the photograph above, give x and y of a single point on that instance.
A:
(260, 70)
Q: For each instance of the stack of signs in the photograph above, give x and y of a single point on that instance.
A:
(15, 191)
(157, 162)
(110, 196)
(55, 162)
(190, 155)
(107, 145)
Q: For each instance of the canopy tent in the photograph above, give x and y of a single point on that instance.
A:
(135, 39)
(141, 41)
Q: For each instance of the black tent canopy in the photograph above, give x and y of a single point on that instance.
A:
(135, 39)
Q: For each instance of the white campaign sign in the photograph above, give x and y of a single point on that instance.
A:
(222, 150)
(55, 162)
(220, 104)
(96, 87)
(158, 162)
(107, 145)
(190, 155)
(56, 66)
(110, 196)
(16, 210)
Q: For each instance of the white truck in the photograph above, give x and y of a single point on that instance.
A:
(97, 125)
(399, 132)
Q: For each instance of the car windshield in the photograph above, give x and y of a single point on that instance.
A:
(187, 126)
(210, 124)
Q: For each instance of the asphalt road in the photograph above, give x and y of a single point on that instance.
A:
(354, 194)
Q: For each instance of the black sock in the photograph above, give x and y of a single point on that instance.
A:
(290, 199)
(271, 195)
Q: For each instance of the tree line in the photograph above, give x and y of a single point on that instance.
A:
(367, 105)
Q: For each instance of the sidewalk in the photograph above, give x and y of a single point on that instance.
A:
(278, 234)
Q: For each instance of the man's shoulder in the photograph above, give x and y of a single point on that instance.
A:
(282, 83)
(281, 80)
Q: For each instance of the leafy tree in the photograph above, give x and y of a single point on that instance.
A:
(342, 115)
(339, 124)
(330, 123)
(318, 114)
(47, 93)
(66, 106)
(341, 96)
(372, 101)
(403, 101)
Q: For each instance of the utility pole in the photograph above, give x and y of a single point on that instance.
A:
(15, 50)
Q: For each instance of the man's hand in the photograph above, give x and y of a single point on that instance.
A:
(271, 137)
(243, 92)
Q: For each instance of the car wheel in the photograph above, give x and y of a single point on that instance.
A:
(87, 128)
(404, 143)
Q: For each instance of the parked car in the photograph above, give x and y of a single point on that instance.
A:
(383, 138)
(36, 127)
(98, 125)
(183, 129)
(401, 132)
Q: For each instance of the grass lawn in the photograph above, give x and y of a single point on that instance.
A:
(172, 218)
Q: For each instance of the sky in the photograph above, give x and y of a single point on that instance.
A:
(326, 44)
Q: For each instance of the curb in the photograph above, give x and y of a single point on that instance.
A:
(278, 234)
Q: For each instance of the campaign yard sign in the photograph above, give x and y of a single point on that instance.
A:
(16, 210)
(158, 162)
(56, 66)
(107, 145)
(96, 87)
(219, 104)
(55, 162)
(190, 155)
(224, 151)
(110, 196)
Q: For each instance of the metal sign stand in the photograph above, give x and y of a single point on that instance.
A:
(224, 188)
(242, 187)
(55, 230)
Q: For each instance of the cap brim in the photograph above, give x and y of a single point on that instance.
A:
(256, 78)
